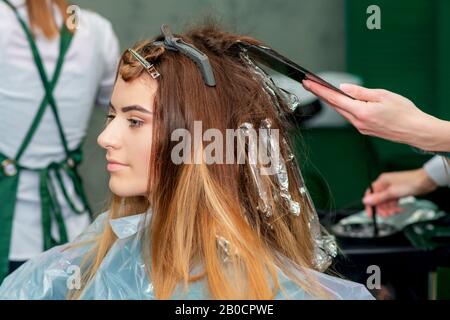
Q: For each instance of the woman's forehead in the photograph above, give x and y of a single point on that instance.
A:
(142, 89)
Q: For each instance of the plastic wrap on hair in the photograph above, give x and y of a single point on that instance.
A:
(226, 249)
(292, 102)
(224, 244)
(325, 244)
(291, 99)
(327, 250)
(271, 145)
(263, 202)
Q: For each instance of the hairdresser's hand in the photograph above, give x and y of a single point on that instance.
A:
(380, 113)
(389, 187)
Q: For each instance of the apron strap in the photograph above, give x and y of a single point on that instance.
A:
(51, 209)
(65, 40)
(8, 195)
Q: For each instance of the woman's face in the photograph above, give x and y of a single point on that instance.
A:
(127, 136)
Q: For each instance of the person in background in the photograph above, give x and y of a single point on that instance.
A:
(51, 77)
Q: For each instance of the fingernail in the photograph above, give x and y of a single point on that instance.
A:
(368, 200)
(345, 87)
(306, 84)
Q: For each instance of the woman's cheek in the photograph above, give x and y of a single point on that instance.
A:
(143, 154)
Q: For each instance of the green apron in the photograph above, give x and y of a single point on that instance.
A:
(10, 168)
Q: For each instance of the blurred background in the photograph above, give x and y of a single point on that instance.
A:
(407, 55)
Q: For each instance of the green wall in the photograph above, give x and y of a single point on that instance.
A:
(408, 55)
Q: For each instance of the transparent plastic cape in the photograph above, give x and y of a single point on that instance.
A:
(122, 274)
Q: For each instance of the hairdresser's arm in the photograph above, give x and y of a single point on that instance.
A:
(387, 115)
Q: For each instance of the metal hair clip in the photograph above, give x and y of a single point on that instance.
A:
(148, 66)
(176, 44)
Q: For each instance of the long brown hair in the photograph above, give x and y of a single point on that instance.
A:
(40, 13)
(194, 203)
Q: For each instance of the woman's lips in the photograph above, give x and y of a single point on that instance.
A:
(113, 166)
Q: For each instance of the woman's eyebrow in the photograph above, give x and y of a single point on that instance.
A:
(131, 108)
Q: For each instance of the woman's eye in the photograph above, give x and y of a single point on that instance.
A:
(135, 123)
(109, 118)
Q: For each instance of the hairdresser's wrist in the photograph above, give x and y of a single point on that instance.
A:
(444, 137)
(433, 135)
(425, 184)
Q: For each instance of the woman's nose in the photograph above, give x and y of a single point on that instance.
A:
(107, 139)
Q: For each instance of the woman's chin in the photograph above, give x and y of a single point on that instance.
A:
(117, 188)
(122, 189)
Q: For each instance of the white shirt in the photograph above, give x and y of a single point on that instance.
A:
(87, 78)
(438, 169)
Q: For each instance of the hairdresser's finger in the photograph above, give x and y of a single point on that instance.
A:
(334, 98)
(386, 210)
(361, 93)
(394, 208)
(383, 209)
(390, 208)
(367, 208)
(347, 115)
(381, 183)
(379, 197)
(369, 211)
(384, 213)
(378, 185)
